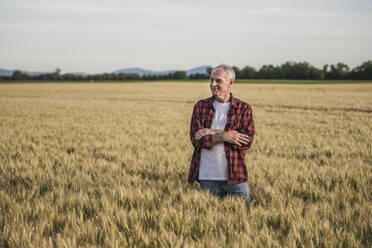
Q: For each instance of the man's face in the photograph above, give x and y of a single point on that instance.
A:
(220, 85)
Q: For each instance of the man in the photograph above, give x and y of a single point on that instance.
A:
(221, 130)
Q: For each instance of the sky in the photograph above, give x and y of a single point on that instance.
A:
(103, 36)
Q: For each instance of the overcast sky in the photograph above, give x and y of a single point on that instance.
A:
(102, 36)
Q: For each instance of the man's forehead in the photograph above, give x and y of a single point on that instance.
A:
(219, 73)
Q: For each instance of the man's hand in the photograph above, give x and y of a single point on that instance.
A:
(234, 137)
(202, 132)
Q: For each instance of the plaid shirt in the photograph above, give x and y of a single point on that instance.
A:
(239, 118)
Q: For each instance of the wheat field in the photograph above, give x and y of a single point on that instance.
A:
(105, 165)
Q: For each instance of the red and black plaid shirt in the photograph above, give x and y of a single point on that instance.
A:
(239, 118)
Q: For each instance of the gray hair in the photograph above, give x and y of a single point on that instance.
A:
(228, 69)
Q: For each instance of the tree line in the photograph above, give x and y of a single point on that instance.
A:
(304, 70)
(287, 70)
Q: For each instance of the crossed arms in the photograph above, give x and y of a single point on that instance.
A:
(202, 137)
(218, 136)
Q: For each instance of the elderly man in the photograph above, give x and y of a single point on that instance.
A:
(221, 130)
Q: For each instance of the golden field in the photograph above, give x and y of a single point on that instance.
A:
(105, 165)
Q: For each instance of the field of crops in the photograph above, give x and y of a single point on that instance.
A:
(105, 165)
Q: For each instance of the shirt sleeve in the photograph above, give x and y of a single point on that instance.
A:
(247, 128)
(195, 125)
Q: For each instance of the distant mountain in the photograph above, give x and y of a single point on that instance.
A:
(5, 72)
(34, 73)
(31, 73)
(137, 70)
(79, 74)
(198, 70)
(141, 72)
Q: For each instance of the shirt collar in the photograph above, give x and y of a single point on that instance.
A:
(233, 100)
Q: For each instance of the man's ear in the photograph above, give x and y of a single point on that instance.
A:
(231, 82)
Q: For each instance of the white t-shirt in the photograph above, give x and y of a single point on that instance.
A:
(213, 164)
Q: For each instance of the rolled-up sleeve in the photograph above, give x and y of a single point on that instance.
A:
(195, 125)
(247, 128)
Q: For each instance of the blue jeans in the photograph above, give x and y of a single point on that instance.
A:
(222, 189)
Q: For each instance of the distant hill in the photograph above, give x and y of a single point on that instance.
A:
(5, 72)
(198, 70)
(137, 70)
(31, 73)
(141, 72)
(34, 73)
(79, 74)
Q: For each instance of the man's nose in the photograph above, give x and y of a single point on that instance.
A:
(213, 83)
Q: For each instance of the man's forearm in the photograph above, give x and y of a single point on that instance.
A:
(232, 137)
(216, 131)
(218, 137)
